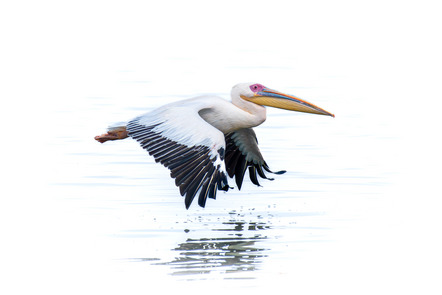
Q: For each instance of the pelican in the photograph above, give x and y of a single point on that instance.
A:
(201, 140)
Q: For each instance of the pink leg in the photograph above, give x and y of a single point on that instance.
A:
(115, 134)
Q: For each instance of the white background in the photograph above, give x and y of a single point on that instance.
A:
(375, 64)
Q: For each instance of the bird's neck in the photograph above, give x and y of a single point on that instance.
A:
(256, 114)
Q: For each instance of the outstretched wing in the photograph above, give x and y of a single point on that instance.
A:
(242, 152)
(192, 149)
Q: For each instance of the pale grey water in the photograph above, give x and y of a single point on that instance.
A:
(130, 214)
(356, 213)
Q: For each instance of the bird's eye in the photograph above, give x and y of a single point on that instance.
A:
(256, 87)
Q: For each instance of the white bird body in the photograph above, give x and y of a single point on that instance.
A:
(198, 138)
(218, 112)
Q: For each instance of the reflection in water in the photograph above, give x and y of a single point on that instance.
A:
(240, 226)
(234, 254)
(202, 255)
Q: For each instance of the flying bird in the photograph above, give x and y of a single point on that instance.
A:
(201, 140)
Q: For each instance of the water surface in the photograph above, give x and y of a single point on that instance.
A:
(356, 213)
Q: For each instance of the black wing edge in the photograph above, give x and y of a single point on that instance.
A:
(191, 167)
(236, 164)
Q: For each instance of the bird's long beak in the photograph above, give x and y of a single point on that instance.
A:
(273, 98)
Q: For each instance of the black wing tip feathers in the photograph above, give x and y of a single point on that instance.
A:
(208, 189)
(267, 168)
(237, 163)
(279, 172)
(192, 168)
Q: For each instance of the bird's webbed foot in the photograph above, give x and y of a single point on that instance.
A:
(115, 134)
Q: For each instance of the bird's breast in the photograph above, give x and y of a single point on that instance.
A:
(230, 118)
